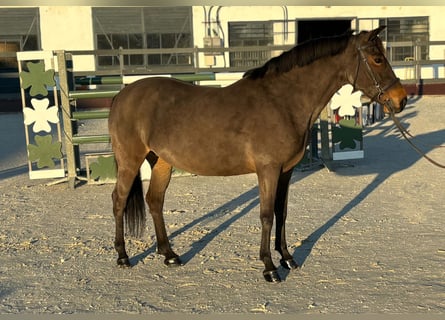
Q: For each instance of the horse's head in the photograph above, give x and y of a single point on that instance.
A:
(373, 74)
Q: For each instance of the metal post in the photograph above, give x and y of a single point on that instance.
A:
(417, 58)
(196, 53)
(66, 117)
(121, 62)
(324, 137)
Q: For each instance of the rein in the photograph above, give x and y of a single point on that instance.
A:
(388, 102)
(406, 135)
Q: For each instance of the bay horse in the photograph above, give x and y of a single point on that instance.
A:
(259, 124)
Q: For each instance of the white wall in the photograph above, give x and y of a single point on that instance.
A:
(71, 27)
(68, 28)
(264, 13)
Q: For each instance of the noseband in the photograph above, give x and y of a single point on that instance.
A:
(380, 90)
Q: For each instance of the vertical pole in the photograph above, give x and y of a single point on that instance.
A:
(196, 52)
(324, 137)
(66, 117)
(417, 58)
(121, 61)
(314, 142)
(22, 93)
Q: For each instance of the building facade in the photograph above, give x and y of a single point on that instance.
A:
(167, 29)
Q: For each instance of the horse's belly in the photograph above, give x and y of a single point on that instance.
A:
(210, 166)
(209, 162)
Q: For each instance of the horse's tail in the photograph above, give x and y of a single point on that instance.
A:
(134, 213)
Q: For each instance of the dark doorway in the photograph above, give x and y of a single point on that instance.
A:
(312, 29)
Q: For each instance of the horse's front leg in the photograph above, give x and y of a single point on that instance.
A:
(267, 182)
(281, 214)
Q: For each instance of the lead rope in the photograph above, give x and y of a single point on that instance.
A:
(405, 134)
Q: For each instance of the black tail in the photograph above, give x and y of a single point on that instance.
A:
(135, 209)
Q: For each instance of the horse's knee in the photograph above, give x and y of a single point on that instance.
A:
(266, 221)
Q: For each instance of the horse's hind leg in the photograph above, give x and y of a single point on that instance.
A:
(160, 179)
(124, 183)
(281, 213)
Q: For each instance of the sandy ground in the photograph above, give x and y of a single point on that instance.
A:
(370, 237)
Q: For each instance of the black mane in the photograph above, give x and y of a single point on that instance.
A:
(302, 55)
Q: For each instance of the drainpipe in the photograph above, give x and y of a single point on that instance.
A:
(285, 23)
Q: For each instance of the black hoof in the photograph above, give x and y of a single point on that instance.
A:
(123, 262)
(289, 264)
(173, 262)
(271, 276)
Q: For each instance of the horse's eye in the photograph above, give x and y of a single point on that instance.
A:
(378, 60)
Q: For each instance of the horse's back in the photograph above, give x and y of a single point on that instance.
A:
(139, 105)
(194, 127)
(146, 94)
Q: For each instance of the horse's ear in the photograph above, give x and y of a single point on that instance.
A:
(374, 33)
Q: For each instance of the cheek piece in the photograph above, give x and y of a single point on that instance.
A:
(380, 90)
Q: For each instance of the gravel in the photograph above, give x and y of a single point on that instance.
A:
(370, 236)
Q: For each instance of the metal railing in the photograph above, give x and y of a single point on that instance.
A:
(414, 65)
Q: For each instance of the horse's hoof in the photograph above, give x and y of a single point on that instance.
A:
(289, 264)
(271, 276)
(123, 262)
(173, 262)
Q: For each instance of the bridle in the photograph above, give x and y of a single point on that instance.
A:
(388, 102)
(380, 90)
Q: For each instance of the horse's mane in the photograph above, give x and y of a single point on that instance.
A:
(302, 55)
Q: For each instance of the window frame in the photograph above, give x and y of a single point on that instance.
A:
(247, 38)
(19, 27)
(406, 33)
(135, 29)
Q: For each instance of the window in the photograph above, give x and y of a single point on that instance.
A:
(410, 29)
(19, 31)
(144, 28)
(169, 40)
(115, 41)
(247, 34)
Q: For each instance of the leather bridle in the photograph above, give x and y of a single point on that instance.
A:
(380, 90)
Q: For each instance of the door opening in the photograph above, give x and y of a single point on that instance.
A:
(312, 29)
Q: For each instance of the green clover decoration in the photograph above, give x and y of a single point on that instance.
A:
(37, 78)
(104, 169)
(44, 151)
(347, 133)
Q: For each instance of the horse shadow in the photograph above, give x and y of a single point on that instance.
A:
(249, 199)
(12, 172)
(13, 154)
(386, 165)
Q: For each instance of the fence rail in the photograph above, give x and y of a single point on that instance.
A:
(67, 81)
(415, 65)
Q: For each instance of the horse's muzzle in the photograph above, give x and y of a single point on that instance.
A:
(389, 106)
(402, 104)
(395, 99)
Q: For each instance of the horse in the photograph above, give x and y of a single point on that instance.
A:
(259, 124)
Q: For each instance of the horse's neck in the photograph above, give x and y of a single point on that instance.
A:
(319, 82)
